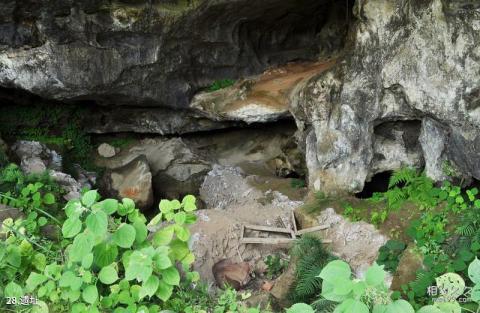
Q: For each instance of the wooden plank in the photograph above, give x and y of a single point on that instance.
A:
(312, 229)
(268, 229)
(272, 241)
(268, 241)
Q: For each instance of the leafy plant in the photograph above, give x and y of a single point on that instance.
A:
(109, 263)
(353, 214)
(389, 254)
(310, 258)
(220, 84)
(275, 265)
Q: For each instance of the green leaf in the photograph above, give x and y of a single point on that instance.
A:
(108, 275)
(104, 254)
(449, 307)
(87, 261)
(90, 294)
(97, 223)
(375, 275)
(14, 256)
(162, 261)
(182, 233)
(163, 236)
(180, 218)
(165, 206)
(352, 306)
(300, 308)
(171, 276)
(429, 309)
(33, 280)
(13, 290)
(164, 291)
(39, 261)
(82, 245)
(399, 306)
(149, 287)
(126, 207)
(71, 227)
(124, 236)
(188, 203)
(474, 271)
(109, 206)
(452, 286)
(89, 198)
(139, 266)
(49, 199)
(141, 231)
(336, 270)
(42, 221)
(475, 294)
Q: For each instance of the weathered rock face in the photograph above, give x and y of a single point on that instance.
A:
(406, 61)
(133, 180)
(156, 52)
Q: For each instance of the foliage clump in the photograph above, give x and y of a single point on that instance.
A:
(220, 84)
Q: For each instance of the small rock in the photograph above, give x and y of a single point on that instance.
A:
(283, 284)
(33, 165)
(267, 286)
(133, 181)
(226, 272)
(409, 263)
(107, 151)
(9, 212)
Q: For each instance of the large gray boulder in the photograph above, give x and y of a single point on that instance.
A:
(408, 62)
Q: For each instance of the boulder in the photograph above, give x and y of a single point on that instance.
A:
(229, 273)
(35, 157)
(106, 151)
(133, 180)
(411, 260)
(176, 170)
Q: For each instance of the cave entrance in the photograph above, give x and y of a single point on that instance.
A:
(378, 183)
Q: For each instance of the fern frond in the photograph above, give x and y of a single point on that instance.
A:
(324, 306)
(402, 176)
(467, 230)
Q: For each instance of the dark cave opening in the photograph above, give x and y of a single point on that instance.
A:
(378, 183)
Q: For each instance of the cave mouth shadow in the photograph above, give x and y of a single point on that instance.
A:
(378, 183)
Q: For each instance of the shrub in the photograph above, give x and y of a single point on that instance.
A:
(220, 84)
(108, 264)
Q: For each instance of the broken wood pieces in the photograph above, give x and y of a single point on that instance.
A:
(278, 241)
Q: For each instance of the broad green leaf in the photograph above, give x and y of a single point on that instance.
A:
(171, 276)
(108, 275)
(87, 261)
(14, 256)
(126, 207)
(141, 231)
(429, 309)
(375, 275)
(474, 271)
(149, 287)
(449, 307)
(104, 254)
(157, 219)
(82, 245)
(352, 306)
(343, 287)
(475, 294)
(163, 236)
(13, 290)
(452, 286)
(162, 261)
(139, 266)
(39, 261)
(328, 292)
(336, 270)
(89, 198)
(42, 221)
(182, 233)
(71, 227)
(40, 307)
(400, 306)
(164, 291)
(90, 294)
(35, 279)
(97, 223)
(300, 308)
(180, 218)
(124, 236)
(165, 206)
(188, 203)
(79, 308)
(109, 206)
